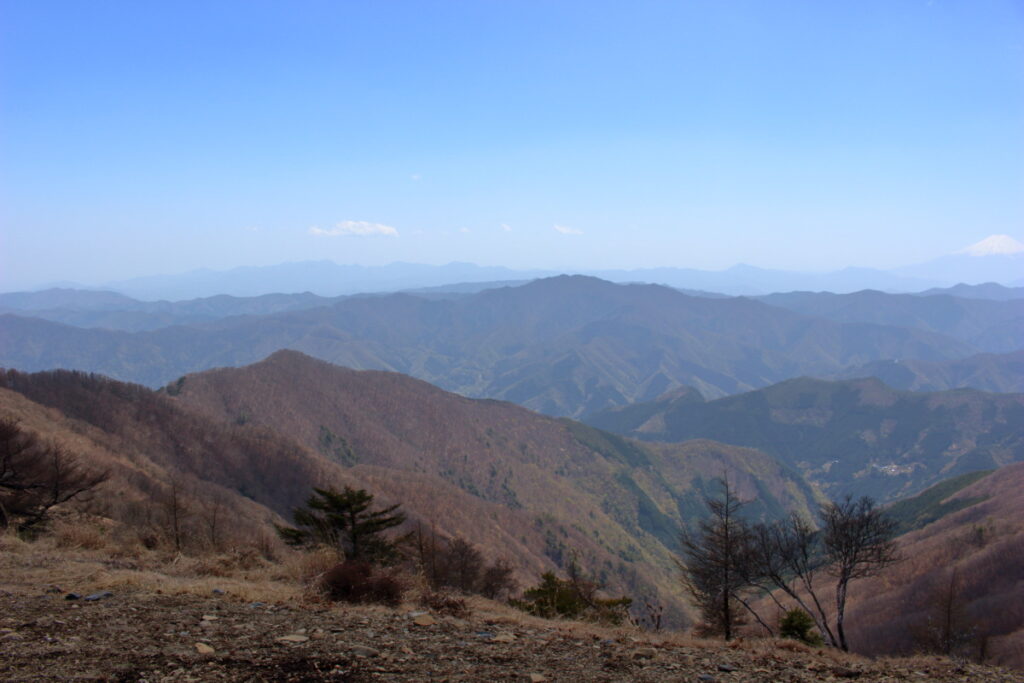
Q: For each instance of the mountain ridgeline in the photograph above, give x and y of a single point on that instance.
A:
(568, 345)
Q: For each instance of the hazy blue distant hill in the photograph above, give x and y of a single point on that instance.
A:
(988, 290)
(330, 279)
(745, 280)
(1003, 372)
(854, 436)
(324, 278)
(70, 299)
(992, 326)
(85, 308)
(562, 346)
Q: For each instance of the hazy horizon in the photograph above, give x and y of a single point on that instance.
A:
(161, 138)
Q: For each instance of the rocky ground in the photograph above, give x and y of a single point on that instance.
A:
(139, 635)
(68, 612)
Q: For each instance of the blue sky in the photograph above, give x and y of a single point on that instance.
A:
(156, 137)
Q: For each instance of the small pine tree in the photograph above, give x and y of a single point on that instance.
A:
(797, 624)
(344, 520)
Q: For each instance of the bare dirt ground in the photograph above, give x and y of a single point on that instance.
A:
(155, 627)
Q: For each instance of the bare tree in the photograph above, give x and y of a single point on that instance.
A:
(716, 561)
(785, 555)
(37, 476)
(855, 542)
(858, 540)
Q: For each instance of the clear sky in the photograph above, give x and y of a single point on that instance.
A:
(155, 137)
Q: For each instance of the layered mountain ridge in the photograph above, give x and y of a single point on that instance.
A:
(569, 345)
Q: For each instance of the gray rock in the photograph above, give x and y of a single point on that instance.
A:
(72, 596)
(99, 596)
(364, 651)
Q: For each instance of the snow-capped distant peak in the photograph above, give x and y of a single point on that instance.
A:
(994, 244)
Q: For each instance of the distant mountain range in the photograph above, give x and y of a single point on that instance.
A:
(856, 436)
(569, 345)
(998, 258)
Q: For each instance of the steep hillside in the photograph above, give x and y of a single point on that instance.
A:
(157, 490)
(132, 426)
(1002, 372)
(562, 346)
(536, 490)
(854, 436)
(960, 587)
(991, 326)
(506, 477)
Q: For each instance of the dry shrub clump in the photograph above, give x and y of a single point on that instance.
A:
(361, 582)
(444, 603)
(81, 533)
(229, 563)
(308, 568)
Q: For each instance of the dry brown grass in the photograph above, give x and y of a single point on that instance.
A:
(51, 561)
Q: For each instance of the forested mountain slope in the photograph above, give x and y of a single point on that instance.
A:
(853, 436)
(536, 490)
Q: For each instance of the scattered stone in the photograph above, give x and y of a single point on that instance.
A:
(504, 637)
(217, 591)
(706, 678)
(95, 597)
(727, 668)
(484, 634)
(210, 617)
(645, 653)
(12, 636)
(204, 649)
(537, 678)
(255, 605)
(72, 596)
(293, 638)
(364, 651)
(424, 620)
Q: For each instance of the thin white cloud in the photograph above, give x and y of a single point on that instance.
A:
(465, 231)
(506, 227)
(415, 177)
(565, 230)
(360, 228)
